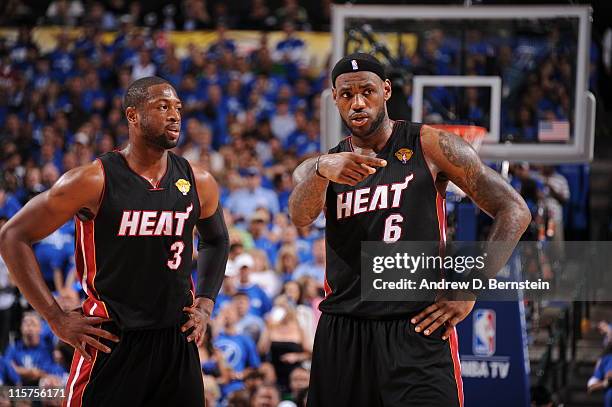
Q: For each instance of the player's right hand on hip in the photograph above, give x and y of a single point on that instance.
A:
(348, 168)
(78, 330)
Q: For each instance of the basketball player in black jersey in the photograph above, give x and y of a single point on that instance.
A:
(387, 182)
(135, 211)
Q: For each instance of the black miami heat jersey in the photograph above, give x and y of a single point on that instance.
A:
(134, 256)
(398, 202)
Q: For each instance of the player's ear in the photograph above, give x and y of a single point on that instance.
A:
(387, 89)
(131, 113)
(334, 94)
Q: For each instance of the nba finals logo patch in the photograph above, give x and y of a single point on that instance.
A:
(403, 154)
(484, 332)
(183, 186)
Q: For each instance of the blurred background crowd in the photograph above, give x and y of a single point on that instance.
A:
(185, 15)
(249, 117)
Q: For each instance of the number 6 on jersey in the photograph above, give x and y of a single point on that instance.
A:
(393, 228)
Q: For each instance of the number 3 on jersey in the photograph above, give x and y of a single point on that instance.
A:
(175, 250)
(393, 228)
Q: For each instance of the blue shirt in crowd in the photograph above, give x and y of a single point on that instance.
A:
(251, 325)
(8, 375)
(38, 356)
(259, 301)
(56, 251)
(10, 207)
(240, 352)
(271, 248)
(244, 202)
(603, 367)
(310, 269)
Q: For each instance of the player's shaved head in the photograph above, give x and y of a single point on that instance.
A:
(138, 91)
(153, 111)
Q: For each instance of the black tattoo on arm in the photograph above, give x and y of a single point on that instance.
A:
(308, 196)
(490, 192)
(486, 188)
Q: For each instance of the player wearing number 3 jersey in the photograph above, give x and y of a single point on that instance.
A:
(136, 210)
(386, 182)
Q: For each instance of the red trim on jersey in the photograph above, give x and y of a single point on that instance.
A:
(80, 375)
(86, 269)
(349, 139)
(433, 179)
(192, 290)
(441, 214)
(195, 186)
(85, 260)
(78, 254)
(156, 185)
(103, 188)
(453, 340)
(454, 347)
(326, 286)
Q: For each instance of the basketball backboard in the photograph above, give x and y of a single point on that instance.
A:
(521, 72)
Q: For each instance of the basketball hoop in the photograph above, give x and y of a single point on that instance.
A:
(471, 134)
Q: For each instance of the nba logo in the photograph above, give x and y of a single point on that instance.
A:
(483, 341)
(354, 65)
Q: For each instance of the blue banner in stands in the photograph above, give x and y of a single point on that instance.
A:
(493, 353)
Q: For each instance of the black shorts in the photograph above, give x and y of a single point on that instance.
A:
(156, 367)
(376, 363)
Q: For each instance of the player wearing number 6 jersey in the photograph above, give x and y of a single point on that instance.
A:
(136, 209)
(387, 182)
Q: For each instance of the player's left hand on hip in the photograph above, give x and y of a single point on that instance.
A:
(445, 311)
(199, 316)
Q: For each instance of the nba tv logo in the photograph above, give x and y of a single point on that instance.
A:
(483, 337)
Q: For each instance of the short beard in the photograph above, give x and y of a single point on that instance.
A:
(373, 127)
(161, 141)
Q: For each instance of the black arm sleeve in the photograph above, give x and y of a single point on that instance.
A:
(213, 250)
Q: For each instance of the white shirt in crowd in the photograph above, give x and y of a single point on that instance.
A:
(557, 182)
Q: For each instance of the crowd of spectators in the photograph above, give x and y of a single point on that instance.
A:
(184, 15)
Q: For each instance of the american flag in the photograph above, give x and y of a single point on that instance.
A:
(556, 130)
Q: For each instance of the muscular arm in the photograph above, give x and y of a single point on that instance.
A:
(78, 188)
(451, 158)
(308, 196)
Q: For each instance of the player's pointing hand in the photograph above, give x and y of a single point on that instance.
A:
(348, 168)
